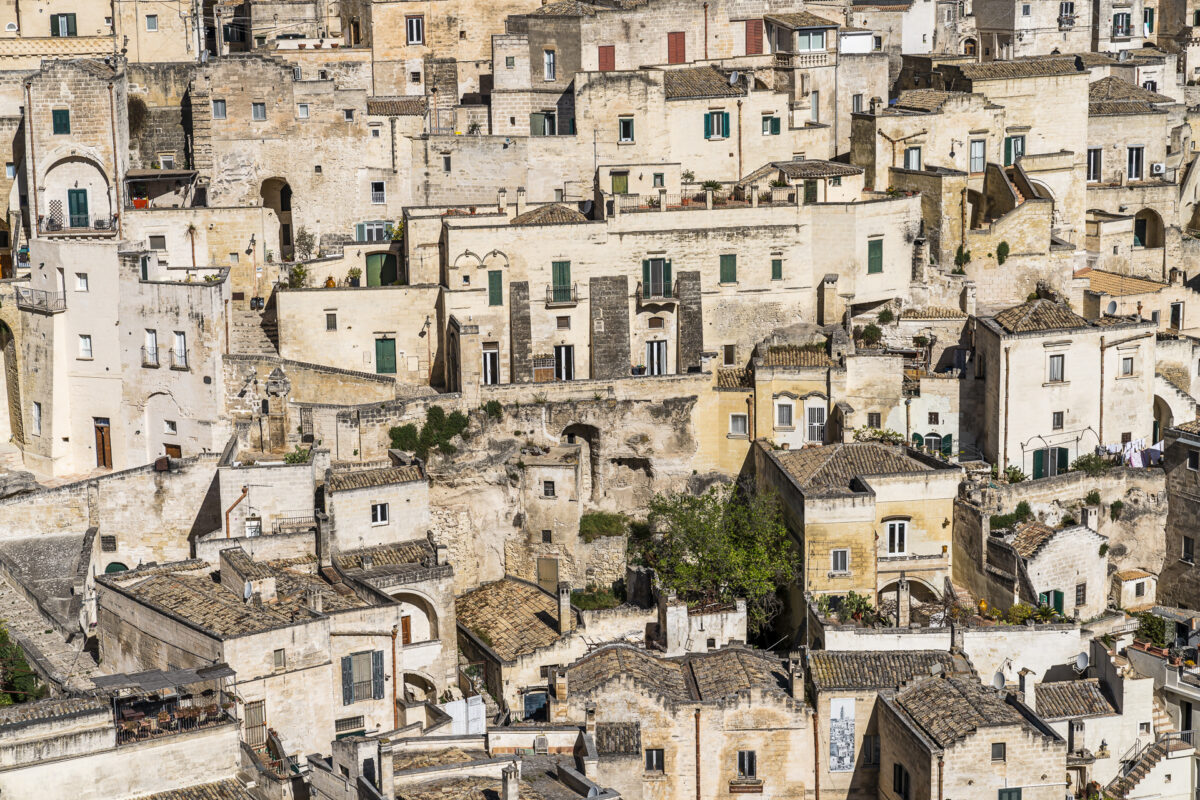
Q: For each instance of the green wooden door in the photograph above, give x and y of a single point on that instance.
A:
(381, 269)
(77, 207)
(810, 191)
(1039, 463)
(560, 274)
(620, 182)
(385, 356)
(1057, 597)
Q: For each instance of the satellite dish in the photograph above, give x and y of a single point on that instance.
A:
(733, 78)
(247, 591)
(1081, 662)
(998, 680)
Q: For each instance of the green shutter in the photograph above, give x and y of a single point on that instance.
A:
(495, 288)
(61, 118)
(360, 232)
(708, 126)
(918, 440)
(1043, 598)
(667, 278)
(948, 445)
(725, 124)
(1008, 150)
(729, 269)
(1039, 463)
(774, 126)
(645, 275)
(347, 681)
(874, 256)
(54, 24)
(71, 30)
(537, 124)
(1058, 601)
(1063, 466)
(776, 269)
(560, 273)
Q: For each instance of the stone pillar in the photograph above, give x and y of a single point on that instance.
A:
(673, 624)
(520, 200)
(903, 603)
(708, 199)
(566, 621)
(796, 674)
(662, 198)
(608, 299)
(754, 195)
(832, 306)
(502, 200)
(520, 328)
(690, 339)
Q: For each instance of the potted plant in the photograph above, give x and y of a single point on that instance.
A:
(353, 275)
(640, 369)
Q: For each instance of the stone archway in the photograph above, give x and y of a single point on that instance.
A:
(416, 687)
(276, 195)
(919, 589)
(1147, 229)
(588, 439)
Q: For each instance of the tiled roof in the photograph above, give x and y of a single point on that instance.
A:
(366, 479)
(1039, 315)
(1191, 426)
(735, 378)
(926, 99)
(1112, 88)
(1030, 537)
(1033, 68)
(565, 8)
(229, 789)
(1066, 699)
(949, 709)
(619, 738)
(1117, 285)
(1116, 108)
(874, 669)
(835, 466)
(418, 759)
(396, 106)
(697, 82)
(816, 168)
(512, 617)
(414, 551)
(665, 676)
(699, 677)
(932, 312)
(51, 708)
(801, 19)
(550, 214)
(790, 355)
(1133, 574)
(734, 669)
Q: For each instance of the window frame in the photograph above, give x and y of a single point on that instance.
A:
(897, 533)
(256, 109)
(1188, 554)
(622, 123)
(81, 282)
(224, 108)
(60, 121)
(549, 65)
(728, 269)
(747, 765)
(1059, 359)
(875, 255)
(842, 554)
(1095, 164)
(1003, 752)
(331, 321)
(982, 156)
(154, 28)
(1135, 153)
(35, 418)
(1193, 460)
(414, 29)
(380, 514)
(785, 408)
(86, 347)
(1081, 594)
(745, 425)
(549, 490)
(654, 761)
(1057, 420)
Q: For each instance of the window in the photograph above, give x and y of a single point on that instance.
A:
(37, 419)
(167, 160)
(654, 760)
(379, 513)
(1014, 148)
(738, 425)
(1189, 549)
(1095, 160)
(491, 363)
(856, 104)
(218, 109)
(1026, 10)
(415, 28)
(816, 424)
(901, 782)
(81, 282)
(280, 659)
(1009, 794)
(716, 124)
(1121, 25)
(1057, 364)
(729, 268)
(729, 355)
(330, 321)
(1177, 316)
(362, 677)
(676, 47)
(1139, 589)
(61, 119)
(1066, 10)
(258, 111)
(607, 56)
(510, 62)
(810, 40)
(783, 415)
(933, 418)
(445, 163)
(776, 269)
(874, 256)
(564, 362)
(348, 114)
(1126, 366)
(547, 488)
(378, 192)
(659, 180)
(375, 132)
(85, 345)
(152, 22)
(978, 155)
(1080, 593)
(1193, 460)
(839, 560)
(62, 25)
(874, 420)
(108, 544)
(495, 288)
(10, 170)
(1056, 421)
(563, 323)
(897, 537)
(814, 107)
(547, 537)
(170, 426)
(302, 111)
(1134, 160)
(871, 750)
(747, 766)
(770, 125)
(158, 242)
(998, 751)
(878, 43)
(1152, 86)
(549, 67)
(625, 129)
(656, 323)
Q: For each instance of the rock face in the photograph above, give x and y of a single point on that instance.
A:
(17, 482)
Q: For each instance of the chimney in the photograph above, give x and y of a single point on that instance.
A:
(502, 200)
(565, 620)
(368, 561)
(315, 600)
(1177, 276)
(520, 200)
(509, 778)
(796, 674)
(876, 105)
(903, 603)
(560, 683)
(441, 554)
(589, 719)
(956, 637)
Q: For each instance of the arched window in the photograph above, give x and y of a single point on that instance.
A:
(115, 566)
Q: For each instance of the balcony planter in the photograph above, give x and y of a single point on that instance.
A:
(641, 370)
(141, 202)
(335, 45)
(302, 45)
(353, 281)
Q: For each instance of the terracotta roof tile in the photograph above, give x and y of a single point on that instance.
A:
(512, 617)
(1033, 68)
(1133, 574)
(875, 669)
(550, 214)
(413, 552)
(926, 99)
(1191, 426)
(790, 355)
(396, 106)
(619, 738)
(835, 467)
(1116, 108)
(51, 708)
(1111, 283)
(565, 8)
(1069, 699)
(816, 168)
(801, 19)
(932, 312)
(729, 670)
(950, 709)
(700, 677)
(665, 676)
(366, 479)
(229, 789)
(1030, 537)
(1039, 315)
(735, 378)
(1112, 88)
(698, 82)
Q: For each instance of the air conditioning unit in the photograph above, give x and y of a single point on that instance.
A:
(1158, 168)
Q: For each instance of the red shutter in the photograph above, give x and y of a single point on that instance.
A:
(608, 57)
(676, 48)
(754, 37)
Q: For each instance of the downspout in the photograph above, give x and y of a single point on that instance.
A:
(963, 238)
(698, 710)
(739, 104)
(1004, 460)
(241, 497)
(817, 761)
(32, 154)
(941, 768)
(396, 680)
(706, 59)
(112, 105)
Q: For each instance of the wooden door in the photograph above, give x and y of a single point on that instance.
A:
(547, 574)
(385, 356)
(676, 47)
(173, 450)
(620, 183)
(754, 31)
(77, 208)
(103, 442)
(608, 57)
(406, 630)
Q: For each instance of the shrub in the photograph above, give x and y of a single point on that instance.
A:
(921, 341)
(886, 316)
(1001, 252)
(1068, 521)
(1114, 510)
(1151, 629)
(1093, 465)
(298, 277)
(1019, 613)
(1093, 498)
(492, 409)
(687, 176)
(595, 524)
(711, 185)
(437, 432)
(305, 243)
(871, 335)
(1020, 514)
(297, 456)
(1104, 550)
(962, 257)
(594, 599)
(865, 434)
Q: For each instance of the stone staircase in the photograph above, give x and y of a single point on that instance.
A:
(1011, 174)
(253, 333)
(67, 662)
(1162, 721)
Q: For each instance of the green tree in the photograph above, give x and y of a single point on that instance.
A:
(18, 682)
(725, 544)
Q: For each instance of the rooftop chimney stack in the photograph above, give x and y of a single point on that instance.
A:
(520, 200)
(903, 603)
(510, 776)
(502, 200)
(565, 620)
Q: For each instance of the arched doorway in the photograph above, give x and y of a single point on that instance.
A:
(418, 618)
(1163, 417)
(417, 687)
(11, 422)
(1147, 229)
(77, 196)
(969, 47)
(277, 196)
(588, 439)
(918, 589)
(453, 376)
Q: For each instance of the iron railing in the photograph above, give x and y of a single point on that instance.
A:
(657, 290)
(179, 359)
(77, 224)
(562, 294)
(41, 300)
(149, 356)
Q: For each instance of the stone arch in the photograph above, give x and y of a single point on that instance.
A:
(475, 261)
(425, 628)
(919, 589)
(496, 258)
(75, 192)
(417, 686)
(1147, 229)
(115, 566)
(276, 194)
(969, 47)
(588, 439)
(12, 425)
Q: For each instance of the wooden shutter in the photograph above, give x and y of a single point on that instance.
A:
(667, 278)
(729, 269)
(1039, 463)
(608, 57)
(725, 124)
(1062, 464)
(874, 256)
(918, 440)
(774, 126)
(54, 24)
(776, 269)
(645, 275)
(948, 445)
(676, 47)
(360, 232)
(377, 674)
(537, 124)
(347, 681)
(495, 288)
(707, 126)
(71, 30)
(754, 31)
(1008, 150)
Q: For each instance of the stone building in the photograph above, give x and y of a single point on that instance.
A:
(1009, 29)
(1180, 578)
(1063, 567)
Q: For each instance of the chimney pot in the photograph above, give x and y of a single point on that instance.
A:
(509, 786)
(565, 619)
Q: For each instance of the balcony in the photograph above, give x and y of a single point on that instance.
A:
(41, 300)
(816, 58)
(78, 225)
(1066, 22)
(149, 356)
(657, 292)
(560, 295)
(297, 522)
(179, 359)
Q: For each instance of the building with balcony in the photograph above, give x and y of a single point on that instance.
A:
(1010, 29)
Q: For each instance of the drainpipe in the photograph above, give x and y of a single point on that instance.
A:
(705, 35)
(241, 497)
(817, 762)
(395, 680)
(941, 768)
(1100, 435)
(1004, 460)
(698, 710)
(739, 169)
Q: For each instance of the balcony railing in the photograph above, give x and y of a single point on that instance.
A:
(657, 291)
(1066, 21)
(817, 58)
(378, 197)
(149, 356)
(562, 294)
(179, 359)
(362, 690)
(294, 524)
(167, 719)
(41, 300)
(77, 224)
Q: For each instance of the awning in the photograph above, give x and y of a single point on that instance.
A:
(159, 174)
(156, 680)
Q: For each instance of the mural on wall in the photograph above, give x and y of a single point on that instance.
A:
(841, 735)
